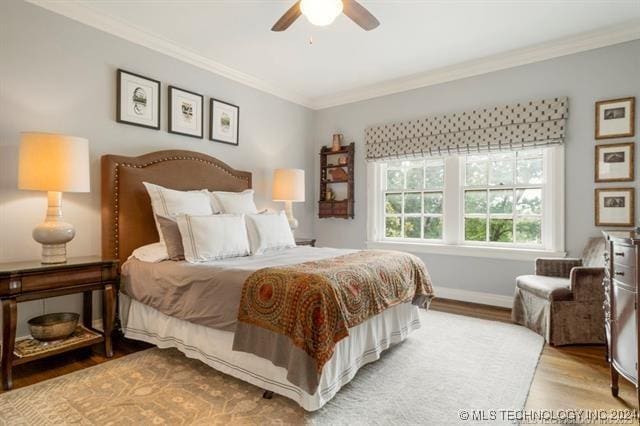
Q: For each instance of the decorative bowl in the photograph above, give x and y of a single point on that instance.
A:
(51, 327)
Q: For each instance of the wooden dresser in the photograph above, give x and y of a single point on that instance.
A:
(621, 280)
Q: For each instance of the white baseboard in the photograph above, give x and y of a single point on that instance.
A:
(474, 296)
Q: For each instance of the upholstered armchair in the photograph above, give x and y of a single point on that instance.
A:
(563, 300)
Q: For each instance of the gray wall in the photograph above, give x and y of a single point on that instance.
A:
(586, 77)
(57, 75)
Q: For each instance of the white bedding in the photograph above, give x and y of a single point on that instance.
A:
(213, 346)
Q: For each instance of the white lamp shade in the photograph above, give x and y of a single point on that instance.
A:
(51, 162)
(288, 185)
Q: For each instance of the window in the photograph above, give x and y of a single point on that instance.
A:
(501, 200)
(413, 196)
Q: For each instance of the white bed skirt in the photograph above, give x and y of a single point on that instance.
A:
(213, 347)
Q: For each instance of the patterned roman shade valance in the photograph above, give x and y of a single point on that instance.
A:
(506, 127)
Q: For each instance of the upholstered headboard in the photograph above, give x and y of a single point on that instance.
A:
(127, 218)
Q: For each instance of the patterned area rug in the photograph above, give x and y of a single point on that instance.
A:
(452, 363)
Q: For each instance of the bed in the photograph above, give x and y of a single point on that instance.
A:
(201, 309)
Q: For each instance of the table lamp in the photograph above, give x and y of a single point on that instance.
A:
(53, 163)
(288, 186)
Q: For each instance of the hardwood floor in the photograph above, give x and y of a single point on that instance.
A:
(48, 368)
(574, 377)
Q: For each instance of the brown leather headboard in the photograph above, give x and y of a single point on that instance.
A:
(127, 218)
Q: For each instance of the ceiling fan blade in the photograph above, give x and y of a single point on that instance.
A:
(288, 18)
(360, 15)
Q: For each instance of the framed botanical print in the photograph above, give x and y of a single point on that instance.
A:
(615, 207)
(185, 112)
(224, 122)
(138, 100)
(615, 118)
(615, 162)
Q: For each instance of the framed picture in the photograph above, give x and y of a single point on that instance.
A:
(615, 207)
(185, 112)
(224, 122)
(615, 162)
(615, 118)
(138, 100)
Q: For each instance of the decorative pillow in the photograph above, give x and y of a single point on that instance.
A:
(172, 237)
(170, 203)
(235, 202)
(212, 237)
(269, 231)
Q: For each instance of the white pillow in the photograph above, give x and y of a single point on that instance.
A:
(269, 231)
(170, 203)
(154, 253)
(235, 202)
(213, 237)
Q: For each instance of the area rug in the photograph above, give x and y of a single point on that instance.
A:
(452, 365)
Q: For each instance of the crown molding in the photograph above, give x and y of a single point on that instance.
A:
(541, 52)
(603, 37)
(86, 15)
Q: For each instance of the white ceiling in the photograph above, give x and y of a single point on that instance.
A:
(414, 38)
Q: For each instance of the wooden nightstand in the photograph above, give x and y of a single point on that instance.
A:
(306, 242)
(23, 281)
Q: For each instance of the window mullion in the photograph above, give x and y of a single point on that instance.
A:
(422, 205)
(488, 224)
(402, 217)
(451, 212)
(513, 213)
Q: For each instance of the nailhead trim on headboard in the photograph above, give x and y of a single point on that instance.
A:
(141, 166)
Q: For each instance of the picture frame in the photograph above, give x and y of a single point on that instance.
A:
(615, 162)
(615, 118)
(137, 100)
(224, 122)
(615, 207)
(186, 112)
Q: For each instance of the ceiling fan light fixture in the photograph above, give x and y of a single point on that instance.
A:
(321, 12)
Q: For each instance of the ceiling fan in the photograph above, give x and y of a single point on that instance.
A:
(324, 12)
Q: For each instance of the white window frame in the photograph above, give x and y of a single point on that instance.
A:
(453, 227)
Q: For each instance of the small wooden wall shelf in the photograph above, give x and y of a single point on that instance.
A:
(341, 208)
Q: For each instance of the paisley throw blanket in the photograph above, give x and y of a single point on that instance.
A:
(294, 315)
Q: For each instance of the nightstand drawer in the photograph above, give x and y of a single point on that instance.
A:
(65, 278)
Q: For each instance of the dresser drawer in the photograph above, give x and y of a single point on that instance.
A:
(624, 274)
(624, 255)
(65, 278)
(624, 347)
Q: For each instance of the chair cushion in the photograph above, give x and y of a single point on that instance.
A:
(551, 288)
